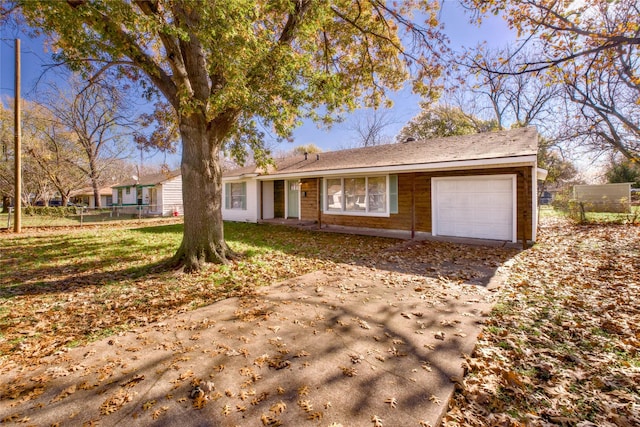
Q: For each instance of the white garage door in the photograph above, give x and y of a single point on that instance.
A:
(481, 207)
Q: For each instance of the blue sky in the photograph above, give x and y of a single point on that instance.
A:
(494, 32)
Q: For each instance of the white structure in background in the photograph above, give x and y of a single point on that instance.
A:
(157, 194)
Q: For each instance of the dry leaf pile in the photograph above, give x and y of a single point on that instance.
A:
(562, 344)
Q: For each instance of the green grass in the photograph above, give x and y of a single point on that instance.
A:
(86, 283)
(594, 217)
(74, 220)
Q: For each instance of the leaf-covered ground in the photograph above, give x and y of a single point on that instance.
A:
(561, 345)
(360, 342)
(64, 288)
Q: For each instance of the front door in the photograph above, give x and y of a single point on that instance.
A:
(293, 199)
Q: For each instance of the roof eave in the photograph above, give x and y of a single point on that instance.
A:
(240, 176)
(511, 161)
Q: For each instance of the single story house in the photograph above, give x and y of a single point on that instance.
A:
(156, 194)
(478, 186)
(86, 197)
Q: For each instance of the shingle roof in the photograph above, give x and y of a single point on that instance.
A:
(482, 146)
(152, 179)
(88, 191)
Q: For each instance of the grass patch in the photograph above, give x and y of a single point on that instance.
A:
(632, 217)
(77, 285)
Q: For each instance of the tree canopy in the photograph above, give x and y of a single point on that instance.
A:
(230, 69)
(440, 121)
(623, 171)
(589, 48)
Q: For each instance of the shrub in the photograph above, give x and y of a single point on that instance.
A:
(50, 211)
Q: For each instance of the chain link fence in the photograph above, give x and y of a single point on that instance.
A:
(77, 216)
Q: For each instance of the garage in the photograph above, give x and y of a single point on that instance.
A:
(481, 207)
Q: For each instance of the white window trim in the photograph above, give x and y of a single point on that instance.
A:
(514, 193)
(231, 208)
(365, 213)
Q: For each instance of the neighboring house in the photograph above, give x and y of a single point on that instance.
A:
(157, 194)
(86, 197)
(478, 186)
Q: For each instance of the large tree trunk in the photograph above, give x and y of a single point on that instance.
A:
(203, 239)
(96, 194)
(93, 175)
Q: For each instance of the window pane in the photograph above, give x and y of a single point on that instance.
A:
(377, 194)
(237, 195)
(334, 194)
(355, 194)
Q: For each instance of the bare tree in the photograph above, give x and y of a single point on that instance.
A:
(605, 109)
(508, 97)
(52, 150)
(97, 118)
(371, 127)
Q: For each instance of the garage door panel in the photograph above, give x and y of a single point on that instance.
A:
(477, 207)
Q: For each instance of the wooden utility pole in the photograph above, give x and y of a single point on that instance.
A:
(17, 152)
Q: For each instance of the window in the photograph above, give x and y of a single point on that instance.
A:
(235, 195)
(128, 190)
(334, 195)
(377, 194)
(357, 195)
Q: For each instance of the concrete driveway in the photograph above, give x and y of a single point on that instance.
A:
(353, 346)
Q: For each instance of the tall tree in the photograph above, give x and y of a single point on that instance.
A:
(52, 149)
(500, 93)
(95, 117)
(35, 183)
(623, 171)
(6, 157)
(225, 66)
(306, 149)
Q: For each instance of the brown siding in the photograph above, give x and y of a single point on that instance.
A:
(278, 199)
(415, 189)
(309, 199)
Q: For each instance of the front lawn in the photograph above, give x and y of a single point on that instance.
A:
(562, 345)
(65, 288)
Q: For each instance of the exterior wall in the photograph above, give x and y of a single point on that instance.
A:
(268, 211)
(170, 196)
(251, 213)
(89, 200)
(415, 189)
(309, 202)
(400, 221)
(127, 199)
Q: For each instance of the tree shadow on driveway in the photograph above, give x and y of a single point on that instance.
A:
(341, 346)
